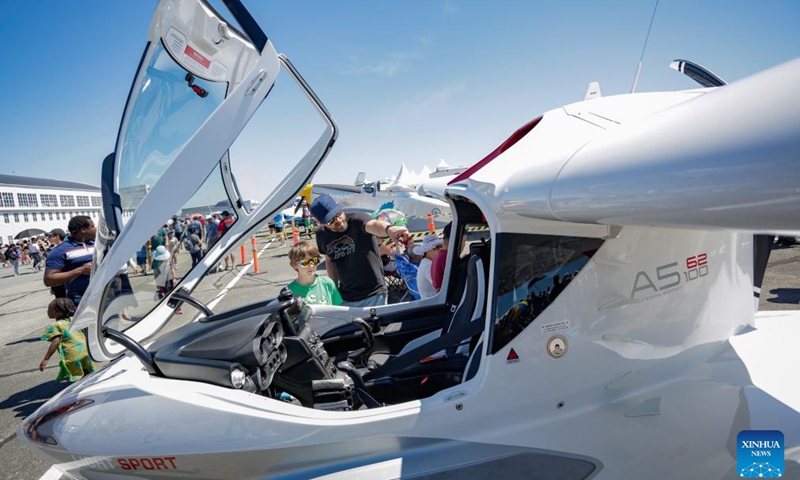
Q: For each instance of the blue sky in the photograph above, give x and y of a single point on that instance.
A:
(412, 81)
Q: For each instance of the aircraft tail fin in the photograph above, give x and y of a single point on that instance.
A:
(593, 91)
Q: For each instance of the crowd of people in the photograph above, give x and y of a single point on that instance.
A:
(30, 251)
(359, 252)
(281, 222)
(358, 260)
(352, 243)
(195, 234)
(65, 259)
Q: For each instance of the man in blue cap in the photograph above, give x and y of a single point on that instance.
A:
(348, 242)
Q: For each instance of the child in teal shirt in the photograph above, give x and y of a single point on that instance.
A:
(74, 360)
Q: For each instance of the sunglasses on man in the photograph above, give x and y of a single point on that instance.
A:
(336, 217)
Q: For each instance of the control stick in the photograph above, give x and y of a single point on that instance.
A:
(374, 321)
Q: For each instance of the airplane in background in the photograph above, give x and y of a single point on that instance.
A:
(604, 328)
(435, 183)
(401, 193)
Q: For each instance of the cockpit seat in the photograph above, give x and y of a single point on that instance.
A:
(436, 360)
(469, 308)
(378, 359)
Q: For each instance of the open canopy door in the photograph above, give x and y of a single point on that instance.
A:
(200, 81)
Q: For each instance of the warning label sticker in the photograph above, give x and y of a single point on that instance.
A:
(196, 56)
(555, 327)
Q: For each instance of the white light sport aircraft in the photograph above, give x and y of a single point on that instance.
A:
(602, 328)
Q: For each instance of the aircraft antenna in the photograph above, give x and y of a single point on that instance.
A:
(647, 37)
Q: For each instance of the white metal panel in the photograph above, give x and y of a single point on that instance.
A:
(728, 159)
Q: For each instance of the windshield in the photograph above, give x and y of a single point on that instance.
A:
(164, 259)
(170, 103)
(188, 182)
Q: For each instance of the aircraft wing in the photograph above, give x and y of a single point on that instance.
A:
(723, 158)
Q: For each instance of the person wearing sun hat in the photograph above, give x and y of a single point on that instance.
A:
(428, 249)
(352, 259)
(164, 272)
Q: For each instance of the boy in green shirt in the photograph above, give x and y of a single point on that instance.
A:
(315, 290)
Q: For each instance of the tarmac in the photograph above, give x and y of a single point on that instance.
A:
(23, 317)
(24, 299)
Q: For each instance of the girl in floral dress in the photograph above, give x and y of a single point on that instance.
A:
(70, 345)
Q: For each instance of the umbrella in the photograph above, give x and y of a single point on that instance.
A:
(29, 232)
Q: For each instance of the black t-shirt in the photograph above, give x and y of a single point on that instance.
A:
(354, 254)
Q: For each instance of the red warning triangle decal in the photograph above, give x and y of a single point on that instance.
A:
(512, 356)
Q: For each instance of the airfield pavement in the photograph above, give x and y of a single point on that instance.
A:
(24, 299)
